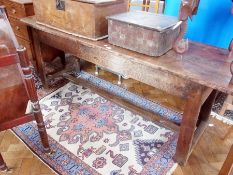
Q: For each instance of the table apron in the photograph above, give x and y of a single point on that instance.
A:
(108, 59)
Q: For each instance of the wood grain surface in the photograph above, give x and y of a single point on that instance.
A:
(202, 64)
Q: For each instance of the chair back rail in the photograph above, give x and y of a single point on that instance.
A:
(145, 5)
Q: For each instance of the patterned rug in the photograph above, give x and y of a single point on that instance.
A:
(226, 118)
(91, 135)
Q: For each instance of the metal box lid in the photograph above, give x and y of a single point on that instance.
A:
(148, 20)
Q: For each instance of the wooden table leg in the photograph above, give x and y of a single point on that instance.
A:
(194, 122)
(188, 126)
(63, 59)
(39, 58)
(227, 168)
(29, 81)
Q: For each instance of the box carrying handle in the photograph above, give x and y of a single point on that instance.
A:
(60, 5)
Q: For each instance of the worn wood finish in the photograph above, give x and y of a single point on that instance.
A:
(188, 126)
(227, 168)
(92, 15)
(173, 84)
(197, 65)
(192, 118)
(189, 75)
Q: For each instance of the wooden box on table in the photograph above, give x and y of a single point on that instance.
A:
(143, 32)
(86, 18)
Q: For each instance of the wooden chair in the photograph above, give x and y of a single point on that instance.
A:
(16, 86)
(146, 5)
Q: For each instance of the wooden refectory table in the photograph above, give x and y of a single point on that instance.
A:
(195, 76)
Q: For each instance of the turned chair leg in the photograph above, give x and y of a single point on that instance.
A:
(29, 81)
(41, 128)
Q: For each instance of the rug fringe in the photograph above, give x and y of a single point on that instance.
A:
(221, 118)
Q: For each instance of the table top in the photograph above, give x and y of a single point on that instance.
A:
(202, 64)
